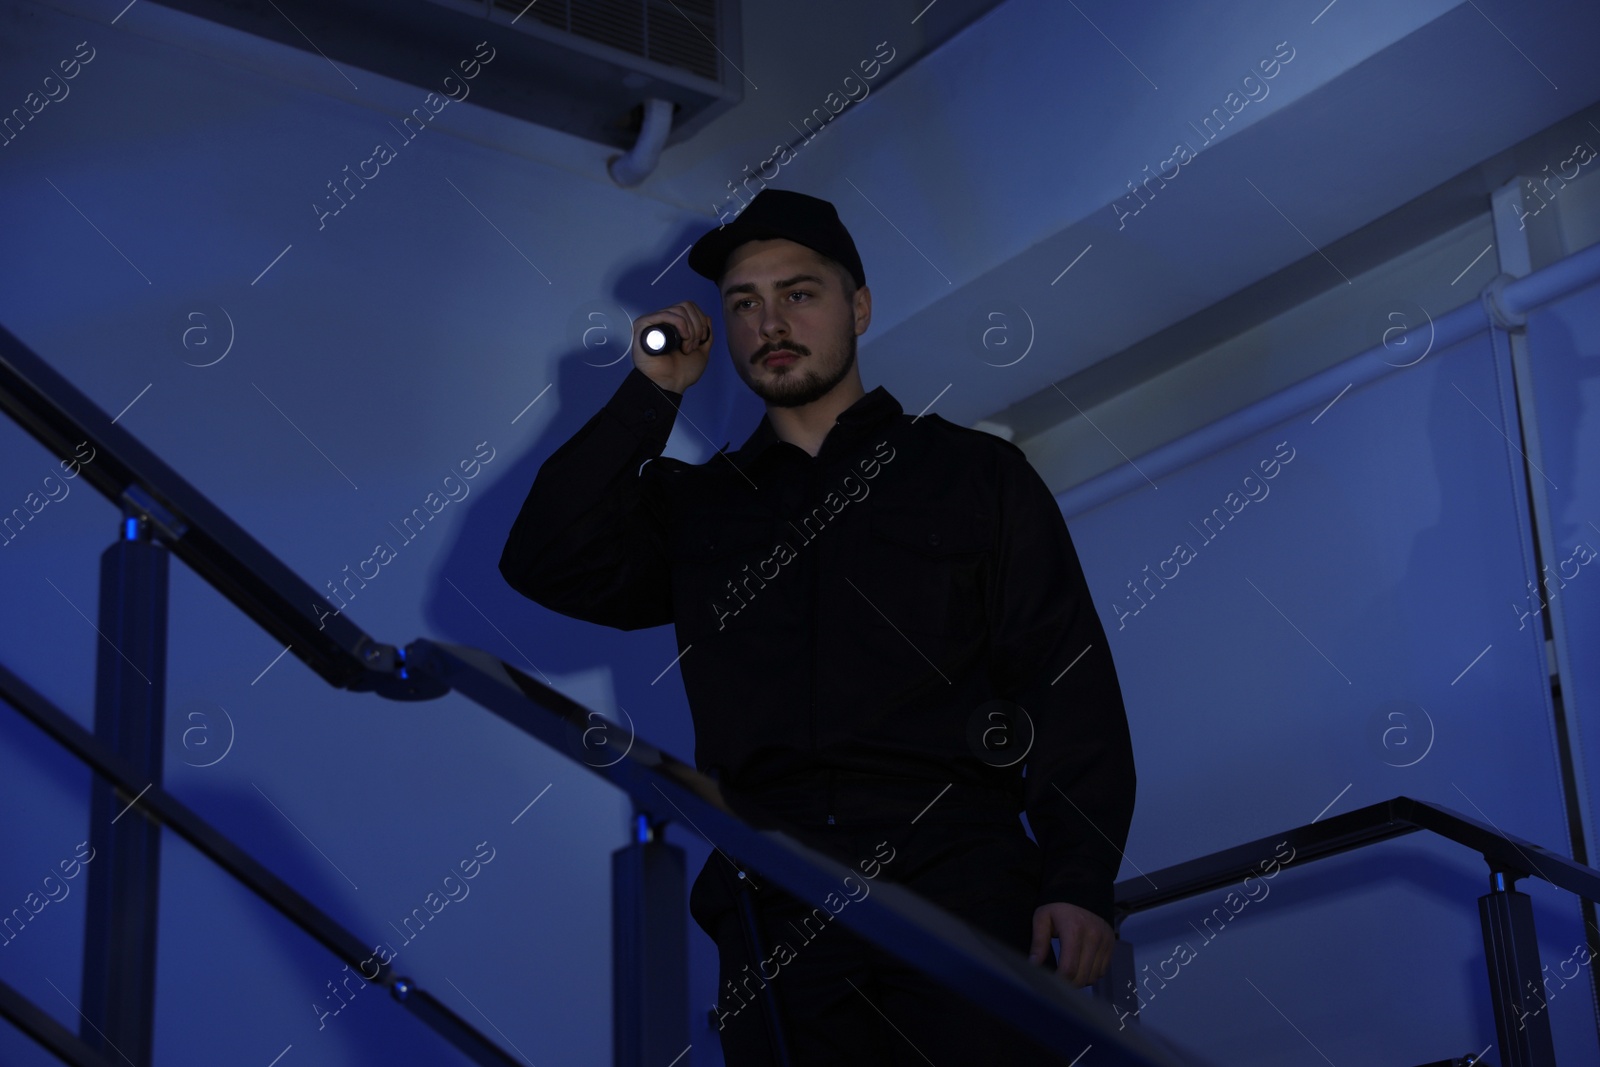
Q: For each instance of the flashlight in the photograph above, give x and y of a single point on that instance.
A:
(660, 338)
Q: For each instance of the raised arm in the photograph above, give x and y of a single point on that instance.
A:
(591, 539)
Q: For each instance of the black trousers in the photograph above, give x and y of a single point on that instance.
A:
(842, 1001)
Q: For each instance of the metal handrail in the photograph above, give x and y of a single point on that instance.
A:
(1510, 937)
(40, 1025)
(153, 802)
(1515, 856)
(967, 961)
(219, 550)
(985, 971)
(989, 973)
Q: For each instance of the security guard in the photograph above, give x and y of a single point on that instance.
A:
(885, 638)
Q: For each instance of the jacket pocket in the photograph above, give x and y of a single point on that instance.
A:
(931, 532)
(921, 570)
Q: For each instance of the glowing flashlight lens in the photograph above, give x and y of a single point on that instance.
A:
(660, 338)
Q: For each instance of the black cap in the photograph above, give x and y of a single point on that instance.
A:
(773, 213)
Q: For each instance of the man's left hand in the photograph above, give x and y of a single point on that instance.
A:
(1086, 941)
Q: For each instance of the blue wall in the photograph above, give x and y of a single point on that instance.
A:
(1564, 375)
(1340, 633)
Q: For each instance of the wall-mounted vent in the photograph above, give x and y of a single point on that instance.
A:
(581, 66)
(678, 33)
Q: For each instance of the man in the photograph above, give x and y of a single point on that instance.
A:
(881, 622)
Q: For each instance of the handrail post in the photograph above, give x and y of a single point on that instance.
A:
(1511, 951)
(119, 952)
(649, 949)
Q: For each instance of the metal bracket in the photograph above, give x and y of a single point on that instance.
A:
(1494, 305)
(135, 499)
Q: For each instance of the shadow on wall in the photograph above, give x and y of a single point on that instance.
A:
(374, 1029)
(717, 410)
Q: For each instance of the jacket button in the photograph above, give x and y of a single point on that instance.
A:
(649, 415)
(711, 546)
(933, 539)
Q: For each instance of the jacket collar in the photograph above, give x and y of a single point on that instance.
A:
(872, 409)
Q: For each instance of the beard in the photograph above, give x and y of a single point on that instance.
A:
(797, 388)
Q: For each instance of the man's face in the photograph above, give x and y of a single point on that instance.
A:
(791, 330)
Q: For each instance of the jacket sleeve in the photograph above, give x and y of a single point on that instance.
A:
(591, 539)
(1051, 657)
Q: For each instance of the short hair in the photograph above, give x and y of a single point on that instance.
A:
(847, 281)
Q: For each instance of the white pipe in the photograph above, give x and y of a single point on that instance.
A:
(635, 167)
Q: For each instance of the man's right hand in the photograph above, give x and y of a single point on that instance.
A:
(678, 369)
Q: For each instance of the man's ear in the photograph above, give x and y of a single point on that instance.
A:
(863, 308)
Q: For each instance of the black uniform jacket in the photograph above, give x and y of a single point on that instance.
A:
(905, 604)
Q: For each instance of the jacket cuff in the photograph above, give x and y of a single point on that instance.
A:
(1092, 893)
(644, 409)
